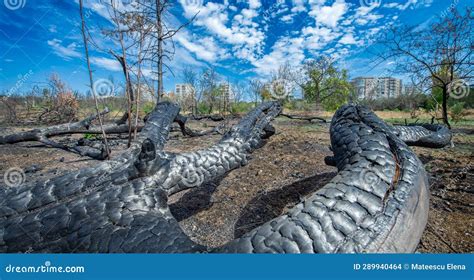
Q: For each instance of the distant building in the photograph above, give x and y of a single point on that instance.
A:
(226, 90)
(374, 87)
(184, 90)
(185, 95)
(226, 96)
(411, 89)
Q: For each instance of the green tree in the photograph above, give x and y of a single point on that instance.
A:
(323, 83)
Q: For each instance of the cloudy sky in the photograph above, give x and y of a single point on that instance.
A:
(243, 39)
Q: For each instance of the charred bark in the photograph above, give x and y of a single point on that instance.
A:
(215, 118)
(121, 205)
(304, 118)
(42, 135)
(378, 202)
(186, 131)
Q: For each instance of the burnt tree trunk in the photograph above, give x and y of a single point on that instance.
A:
(121, 205)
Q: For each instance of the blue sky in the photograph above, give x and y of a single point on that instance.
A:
(242, 39)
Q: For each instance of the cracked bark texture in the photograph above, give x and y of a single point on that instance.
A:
(378, 202)
(425, 135)
(121, 205)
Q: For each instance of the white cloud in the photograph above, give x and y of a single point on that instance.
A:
(106, 63)
(412, 4)
(287, 18)
(286, 49)
(298, 6)
(348, 39)
(52, 28)
(318, 37)
(254, 4)
(67, 52)
(366, 14)
(329, 15)
(204, 48)
(240, 31)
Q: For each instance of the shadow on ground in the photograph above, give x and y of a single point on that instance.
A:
(273, 203)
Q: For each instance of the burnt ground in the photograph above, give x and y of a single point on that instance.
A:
(279, 175)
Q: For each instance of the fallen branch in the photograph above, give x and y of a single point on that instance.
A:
(186, 131)
(304, 118)
(42, 135)
(38, 134)
(216, 118)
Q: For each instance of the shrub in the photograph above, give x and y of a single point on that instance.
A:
(203, 108)
(458, 112)
(148, 107)
(241, 107)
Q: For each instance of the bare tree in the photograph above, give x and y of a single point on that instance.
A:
(190, 77)
(91, 80)
(120, 20)
(10, 103)
(208, 83)
(439, 57)
(154, 12)
(256, 87)
(238, 92)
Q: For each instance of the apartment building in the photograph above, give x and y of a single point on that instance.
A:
(377, 87)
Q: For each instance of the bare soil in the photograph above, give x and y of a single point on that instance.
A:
(283, 172)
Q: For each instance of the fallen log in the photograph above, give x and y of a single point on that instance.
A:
(186, 131)
(304, 118)
(37, 134)
(378, 202)
(215, 118)
(42, 135)
(424, 135)
(120, 205)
